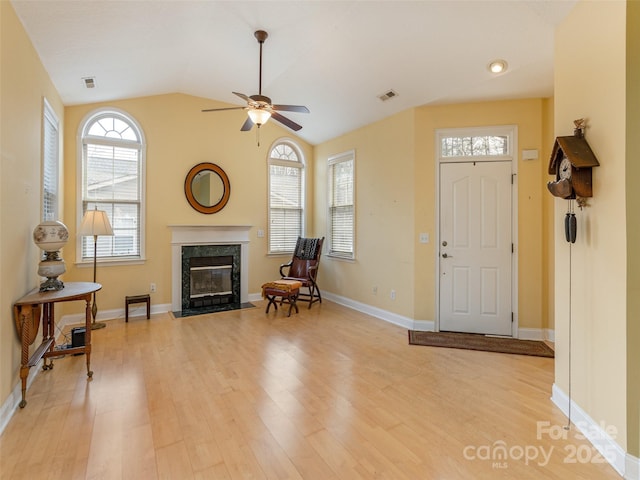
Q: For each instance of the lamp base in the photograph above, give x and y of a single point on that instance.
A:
(51, 284)
(97, 325)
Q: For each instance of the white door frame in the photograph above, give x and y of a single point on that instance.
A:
(512, 132)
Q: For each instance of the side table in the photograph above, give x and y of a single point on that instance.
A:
(27, 317)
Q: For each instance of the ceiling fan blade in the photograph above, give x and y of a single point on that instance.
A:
(291, 108)
(247, 125)
(285, 121)
(242, 96)
(221, 109)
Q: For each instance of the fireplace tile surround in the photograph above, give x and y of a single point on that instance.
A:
(191, 251)
(203, 236)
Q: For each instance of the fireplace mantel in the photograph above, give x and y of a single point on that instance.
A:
(207, 235)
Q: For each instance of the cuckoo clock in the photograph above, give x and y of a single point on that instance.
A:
(571, 163)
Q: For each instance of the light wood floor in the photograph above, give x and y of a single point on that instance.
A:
(326, 394)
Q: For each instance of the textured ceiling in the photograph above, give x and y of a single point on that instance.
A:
(334, 57)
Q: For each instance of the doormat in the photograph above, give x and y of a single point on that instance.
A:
(474, 341)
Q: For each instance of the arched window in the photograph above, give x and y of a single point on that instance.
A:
(111, 178)
(286, 196)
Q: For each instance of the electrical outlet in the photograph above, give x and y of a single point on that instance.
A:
(375, 290)
(152, 288)
(393, 294)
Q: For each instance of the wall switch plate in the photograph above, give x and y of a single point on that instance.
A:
(424, 238)
(260, 233)
(152, 288)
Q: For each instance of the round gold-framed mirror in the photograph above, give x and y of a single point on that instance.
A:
(207, 188)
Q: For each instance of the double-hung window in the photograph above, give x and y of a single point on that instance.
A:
(112, 179)
(50, 163)
(341, 215)
(286, 197)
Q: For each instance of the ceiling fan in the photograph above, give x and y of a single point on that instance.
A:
(259, 107)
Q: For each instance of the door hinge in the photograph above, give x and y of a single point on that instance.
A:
(513, 176)
(511, 317)
(512, 248)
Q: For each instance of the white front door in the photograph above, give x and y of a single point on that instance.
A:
(476, 247)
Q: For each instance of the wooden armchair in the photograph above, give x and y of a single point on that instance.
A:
(304, 268)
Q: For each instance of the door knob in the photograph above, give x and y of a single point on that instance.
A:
(444, 255)
(444, 244)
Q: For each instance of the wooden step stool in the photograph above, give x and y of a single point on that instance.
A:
(146, 298)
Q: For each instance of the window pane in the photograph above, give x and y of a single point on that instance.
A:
(50, 165)
(474, 146)
(284, 229)
(112, 181)
(126, 233)
(283, 151)
(286, 198)
(341, 208)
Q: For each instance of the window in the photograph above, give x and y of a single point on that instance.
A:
(112, 179)
(286, 197)
(50, 163)
(341, 205)
(484, 143)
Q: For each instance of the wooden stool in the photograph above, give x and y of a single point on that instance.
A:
(286, 290)
(146, 298)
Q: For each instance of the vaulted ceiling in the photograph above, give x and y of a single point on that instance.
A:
(335, 57)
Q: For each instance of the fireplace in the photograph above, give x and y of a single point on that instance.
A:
(210, 281)
(210, 276)
(209, 267)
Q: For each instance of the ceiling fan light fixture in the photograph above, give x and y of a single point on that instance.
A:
(259, 116)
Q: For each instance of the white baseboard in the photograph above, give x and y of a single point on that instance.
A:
(597, 435)
(632, 468)
(255, 297)
(113, 314)
(12, 402)
(400, 320)
(536, 334)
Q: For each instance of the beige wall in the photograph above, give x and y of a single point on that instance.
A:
(395, 195)
(384, 164)
(23, 85)
(590, 83)
(179, 136)
(395, 191)
(632, 174)
(548, 223)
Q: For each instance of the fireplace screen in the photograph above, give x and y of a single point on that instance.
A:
(210, 280)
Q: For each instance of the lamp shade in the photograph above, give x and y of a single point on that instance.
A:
(95, 223)
(259, 116)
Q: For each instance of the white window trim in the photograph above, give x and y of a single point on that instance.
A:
(301, 164)
(79, 185)
(48, 113)
(332, 160)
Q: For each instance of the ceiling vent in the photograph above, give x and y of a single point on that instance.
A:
(388, 95)
(89, 82)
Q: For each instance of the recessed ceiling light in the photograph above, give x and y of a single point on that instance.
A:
(498, 66)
